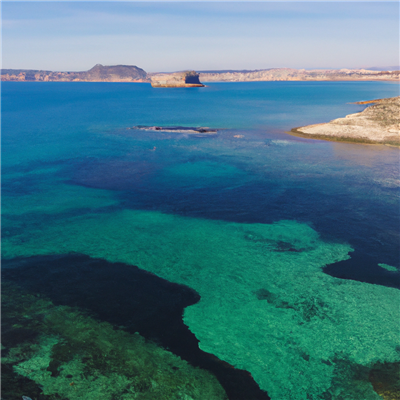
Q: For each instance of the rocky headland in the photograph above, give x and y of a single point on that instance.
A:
(178, 79)
(99, 73)
(377, 124)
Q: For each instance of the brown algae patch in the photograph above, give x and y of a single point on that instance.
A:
(72, 355)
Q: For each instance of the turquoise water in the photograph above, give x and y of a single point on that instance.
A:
(292, 244)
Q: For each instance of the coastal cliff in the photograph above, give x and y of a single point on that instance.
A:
(178, 79)
(291, 74)
(377, 124)
(131, 73)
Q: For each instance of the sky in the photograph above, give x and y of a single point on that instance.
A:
(173, 36)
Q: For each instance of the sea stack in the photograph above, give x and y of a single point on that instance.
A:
(178, 79)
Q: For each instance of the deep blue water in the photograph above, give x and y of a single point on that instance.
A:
(69, 161)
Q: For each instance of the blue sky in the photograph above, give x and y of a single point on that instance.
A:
(170, 36)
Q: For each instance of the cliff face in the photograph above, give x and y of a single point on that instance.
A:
(379, 123)
(290, 74)
(177, 79)
(99, 73)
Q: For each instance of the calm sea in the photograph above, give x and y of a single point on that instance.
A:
(282, 252)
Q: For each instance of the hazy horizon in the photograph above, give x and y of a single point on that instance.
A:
(172, 36)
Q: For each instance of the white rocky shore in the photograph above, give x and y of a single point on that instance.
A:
(377, 124)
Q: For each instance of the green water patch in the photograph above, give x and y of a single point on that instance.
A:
(266, 306)
(75, 356)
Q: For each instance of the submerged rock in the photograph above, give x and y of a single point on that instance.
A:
(176, 129)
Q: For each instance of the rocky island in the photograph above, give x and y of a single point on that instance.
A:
(377, 124)
(178, 79)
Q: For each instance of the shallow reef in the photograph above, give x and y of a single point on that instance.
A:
(266, 306)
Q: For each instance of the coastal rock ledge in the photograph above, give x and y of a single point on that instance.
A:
(178, 79)
(377, 124)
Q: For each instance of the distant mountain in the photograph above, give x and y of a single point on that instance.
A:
(99, 73)
(115, 73)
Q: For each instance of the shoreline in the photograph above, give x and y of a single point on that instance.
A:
(339, 139)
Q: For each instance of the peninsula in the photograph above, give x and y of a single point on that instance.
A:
(377, 124)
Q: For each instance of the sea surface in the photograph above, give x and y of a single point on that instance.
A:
(256, 264)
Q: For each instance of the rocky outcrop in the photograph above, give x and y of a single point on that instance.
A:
(378, 124)
(177, 79)
(99, 73)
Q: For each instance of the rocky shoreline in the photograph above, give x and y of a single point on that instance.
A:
(377, 124)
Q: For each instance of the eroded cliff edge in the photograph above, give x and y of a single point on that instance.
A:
(377, 124)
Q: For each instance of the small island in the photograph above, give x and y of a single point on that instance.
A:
(178, 79)
(377, 124)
